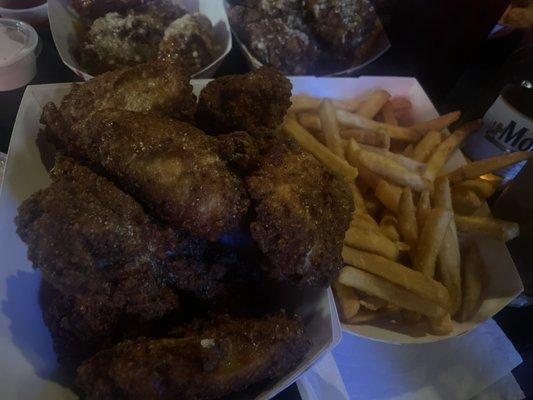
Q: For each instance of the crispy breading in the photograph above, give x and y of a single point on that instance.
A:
(170, 166)
(240, 102)
(303, 211)
(226, 357)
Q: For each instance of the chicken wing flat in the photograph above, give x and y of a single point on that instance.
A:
(240, 102)
(90, 239)
(303, 211)
(170, 166)
(227, 357)
(156, 87)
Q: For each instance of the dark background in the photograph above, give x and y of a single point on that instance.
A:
(455, 68)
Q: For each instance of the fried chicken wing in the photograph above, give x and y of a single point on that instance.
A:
(240, 102)
(170, 166)
(156, 87)
(224, 358)
(89, 238)
(303, 211)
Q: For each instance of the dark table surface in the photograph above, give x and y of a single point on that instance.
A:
(517, 323)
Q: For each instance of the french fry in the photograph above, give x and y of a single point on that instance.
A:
(426, 146)
(359, 222)
(357, 197)
(398, 274)
(328, 121)
(395, 132)
(347, 298)
(371, 138)
(465, 201)
(449, 258)
(373, 303)
(407, 220)
(408, 150)
(486, 226)
(388, 195)
(437, 124)
(430, 240)
(374, 103)
(406, 162)
(400, 103)
(310, 121)
(445, 149)
(371, 241)
(441, 326)
(423, 209)
(483, 188)
(321, 152)
(478, 168)
(391, 170)
(389, 227)
(392, 293)
(472, 283)
(387, 111)
(366, 315)
(308, 103)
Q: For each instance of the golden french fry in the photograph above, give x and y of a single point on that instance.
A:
(408, 151)
(357, 197)
(445, 149)
(487, 226)
(387, 111)
(321, 152)
(407, 220)
(371, 241)
(437, 124)
(449, 259)
(472, 283)
(395, 132)
(430, 240)
(478, 168)
(328, 121)
(389, 227)
(310, 121)
(308, 103)
(347, 299)
(409, 163)
(373, 303)
(400, 103)
(360, 222)
(465, 201)
(371, 138)
(426, 146)
(374, 103)
(391, 170)
(441, 326)
(388, 195)
(423, 209)
(390, 292)
(398, 274)
(482, 187)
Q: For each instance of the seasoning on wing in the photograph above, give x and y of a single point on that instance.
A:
(303, 211)
(226, 357)
(241, 102)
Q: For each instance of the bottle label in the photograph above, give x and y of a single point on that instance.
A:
(504, 130)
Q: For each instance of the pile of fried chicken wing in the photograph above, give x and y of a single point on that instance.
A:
(167, 221)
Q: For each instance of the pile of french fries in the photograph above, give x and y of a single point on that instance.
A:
(409, 253)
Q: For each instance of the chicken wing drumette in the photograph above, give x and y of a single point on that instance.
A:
(226, 357)
(241, 102)
(303, 211)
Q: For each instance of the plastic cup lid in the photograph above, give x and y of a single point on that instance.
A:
(17, 40)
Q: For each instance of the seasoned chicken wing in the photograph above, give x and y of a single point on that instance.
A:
(303, 211)
(226, 357)
(156, 87)
(170, 166)
(240, 102)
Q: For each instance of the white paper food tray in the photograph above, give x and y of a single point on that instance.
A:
(64, 19)
(28, 368)
(379, 47)
(503, 283)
